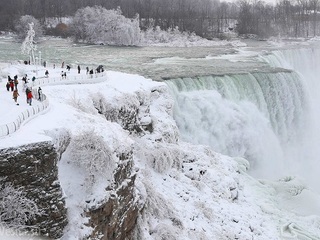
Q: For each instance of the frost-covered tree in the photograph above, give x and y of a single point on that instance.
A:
(28, 47)
(15, 208)
(22, 26)
(172, 35)
(90, 152)
(99, 25)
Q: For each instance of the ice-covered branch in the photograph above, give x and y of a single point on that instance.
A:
(28, 47)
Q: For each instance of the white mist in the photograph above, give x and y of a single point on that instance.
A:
(271, 119)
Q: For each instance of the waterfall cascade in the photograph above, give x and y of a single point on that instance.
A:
(268, 118)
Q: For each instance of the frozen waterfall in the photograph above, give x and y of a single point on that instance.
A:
(269, 118)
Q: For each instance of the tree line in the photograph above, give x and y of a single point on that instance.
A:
(207, 18)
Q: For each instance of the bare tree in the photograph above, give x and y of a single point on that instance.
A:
(205, 17)
(314, 6)
(245, 20)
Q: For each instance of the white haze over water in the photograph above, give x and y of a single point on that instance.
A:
(269, 118)
(306, 62)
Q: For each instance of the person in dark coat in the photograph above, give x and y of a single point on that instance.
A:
(79, 69)
(40, 93)
(91, 73)
(27, 91)
(8, 86)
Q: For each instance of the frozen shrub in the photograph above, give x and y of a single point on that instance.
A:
(90, 152)
(161, 157)
(172, 35)
(15, 208)
(80, 103)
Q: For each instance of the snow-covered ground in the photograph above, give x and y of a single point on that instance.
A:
(9, 110)
(191, 191)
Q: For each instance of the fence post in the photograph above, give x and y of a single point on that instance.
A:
(8, 129)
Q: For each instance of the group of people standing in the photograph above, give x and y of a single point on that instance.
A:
(12, 85)
(99, 69)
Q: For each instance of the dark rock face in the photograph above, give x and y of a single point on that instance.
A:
(116, 218)
(126, 115)
(33, 167)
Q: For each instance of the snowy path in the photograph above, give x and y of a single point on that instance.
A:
(13, 116)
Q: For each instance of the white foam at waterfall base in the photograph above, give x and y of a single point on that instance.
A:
(272, 123)
(251, 116)
(305, 61)
(236, 129)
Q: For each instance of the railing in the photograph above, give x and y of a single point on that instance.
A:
(50, 80)
(12, 127)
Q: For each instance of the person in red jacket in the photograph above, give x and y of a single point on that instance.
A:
(12, 85)
(29, 97)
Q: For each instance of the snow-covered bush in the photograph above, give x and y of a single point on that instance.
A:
(123, 109)
(90, 152)
(101, 26)
(161, 157)
(82, 104)
(15, 208)
(172, 35)
(22, 26)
